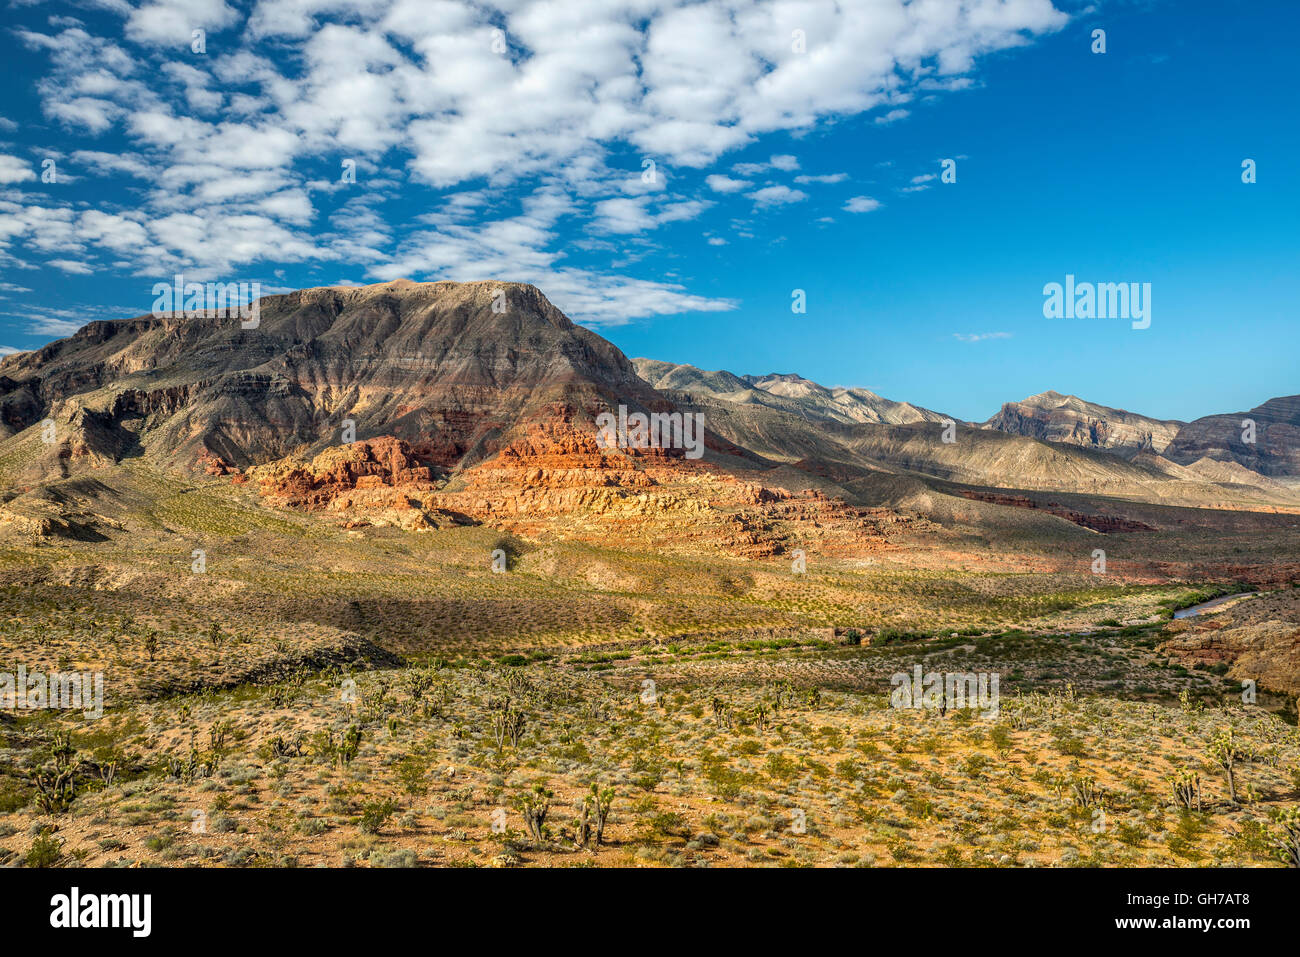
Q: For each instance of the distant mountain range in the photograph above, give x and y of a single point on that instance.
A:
(790, 393)
(471, 377)
(1209, 449)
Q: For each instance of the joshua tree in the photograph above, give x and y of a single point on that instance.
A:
(596, 805)
(534, 807)
(418, 683)
(783, 695)
(602, 800)
(1288, 840)
(56, 787)
(217, 734)
(720, 709)
(508, 725)
(1225, 751)
(350, 744)
(151, 645)
(582, 826)
(56, 784)
(1085, 791)
(62, 750)
(1187, 789)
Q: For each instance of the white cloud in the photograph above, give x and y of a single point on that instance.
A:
(47, 325)
(70, 266)
(413, 90)
(980, 336)
(861, 204)
(107, 164)
(623, 216)
(777, 195)
(518, 248)
(782, 161)
(84, 112)
(169, 23)
(14, 170)
(725, 184)
(113, 232)
(681, 211)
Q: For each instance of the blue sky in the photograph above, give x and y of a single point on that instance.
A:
(795, 146)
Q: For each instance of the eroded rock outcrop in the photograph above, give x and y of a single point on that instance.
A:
(1067, 419)
(1258, 639)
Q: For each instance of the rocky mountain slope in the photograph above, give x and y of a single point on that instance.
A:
(1067, 419)
(853, 438)
(448, 366)
(1275, 451)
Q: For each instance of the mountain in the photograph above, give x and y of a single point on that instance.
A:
(471, 403)
(1275, 451)
(432, 363)
(430, 404)
(786, 392)
(1069, 420)
(854, 439)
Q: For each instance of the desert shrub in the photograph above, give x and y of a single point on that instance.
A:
(412, 771)
(725, 780)
(513, 547)
(13, 794)
(1000, 738)
(898, 636)
(393, 857)
(46, 850)
(668, 824)
(375, 814)
(974, 765)
(779, 767)
(1183, 838)
(1286, 840)
(1129, 833)
(1068, 743)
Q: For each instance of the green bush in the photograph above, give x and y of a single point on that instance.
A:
(375, 814)
(46, 850)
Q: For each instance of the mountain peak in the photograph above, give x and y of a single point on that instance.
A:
(786, 392)
(1056, 417)
(453, 367)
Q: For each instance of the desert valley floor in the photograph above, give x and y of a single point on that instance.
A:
(371, 696)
